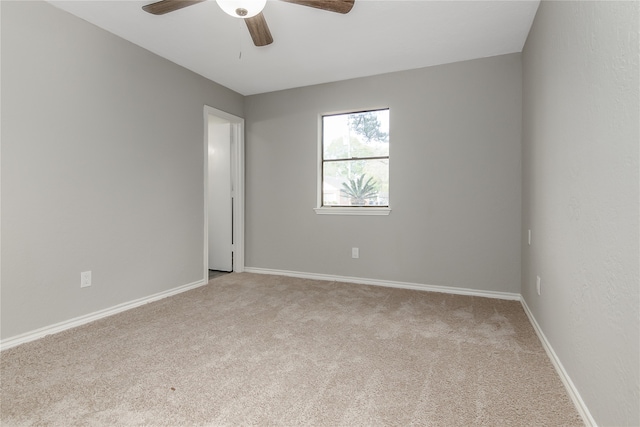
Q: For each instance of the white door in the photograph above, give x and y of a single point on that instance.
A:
(220, 195)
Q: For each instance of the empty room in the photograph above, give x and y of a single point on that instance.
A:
(320, 212)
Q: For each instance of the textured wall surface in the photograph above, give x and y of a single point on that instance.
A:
(454, 175)
(580, 197)
(102, 168)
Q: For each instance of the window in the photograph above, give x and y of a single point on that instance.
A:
(354, 165)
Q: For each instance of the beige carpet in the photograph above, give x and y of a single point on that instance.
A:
(265, 350)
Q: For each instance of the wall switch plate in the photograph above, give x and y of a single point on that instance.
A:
(85, 279)
(355, 253)
(538, 284)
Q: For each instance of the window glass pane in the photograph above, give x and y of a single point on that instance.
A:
(365, 134)
(356, 183)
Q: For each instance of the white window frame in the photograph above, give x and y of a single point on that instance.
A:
(345, 210)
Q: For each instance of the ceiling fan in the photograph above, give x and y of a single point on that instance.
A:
(250, 11)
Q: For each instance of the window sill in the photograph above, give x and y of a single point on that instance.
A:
(352, 211)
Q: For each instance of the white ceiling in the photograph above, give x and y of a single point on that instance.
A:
(313, 46)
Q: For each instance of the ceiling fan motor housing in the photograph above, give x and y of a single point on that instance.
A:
(242, 8)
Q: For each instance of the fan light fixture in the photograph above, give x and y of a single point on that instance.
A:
(242, 8)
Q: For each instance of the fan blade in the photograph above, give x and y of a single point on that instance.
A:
(339, 6)
(166, 6)
(259, 30)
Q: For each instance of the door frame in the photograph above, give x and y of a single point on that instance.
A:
(237, 182)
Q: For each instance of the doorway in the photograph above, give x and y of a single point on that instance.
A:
(223, 191)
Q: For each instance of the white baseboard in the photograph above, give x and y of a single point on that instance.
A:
(81, 320)
(564, 376)
(562, 373)
(387, 283)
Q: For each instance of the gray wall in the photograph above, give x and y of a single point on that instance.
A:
(454, 170)
(580, 196)
(102, 168)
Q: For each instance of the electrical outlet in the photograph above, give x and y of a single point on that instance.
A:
(355, 253)
(538, 284)
(85, 279)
